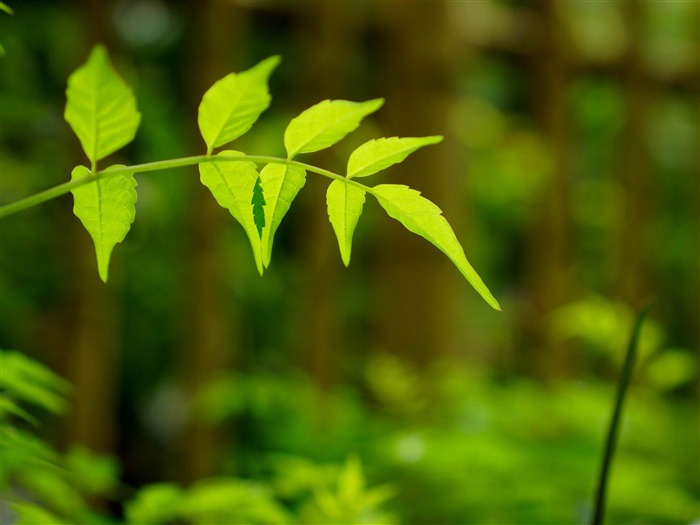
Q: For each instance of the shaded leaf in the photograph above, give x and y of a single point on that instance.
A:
(378, 154)
(344, 203)
(101, 107)
(258, 202)
(28, 381)
(326, 123)
(424, 218)
(281, 184)
(232, 185)
(106, 208)
(231, 106)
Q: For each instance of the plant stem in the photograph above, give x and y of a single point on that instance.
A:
(611, 440)
(66, 187)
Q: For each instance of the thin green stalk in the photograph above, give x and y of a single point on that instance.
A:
(611, 440)
(66, 187)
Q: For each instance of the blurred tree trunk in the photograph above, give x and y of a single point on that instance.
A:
(93, 357)
(546, 278)
(328, 31)
(634, 167)
(208, 334)
(417, 285)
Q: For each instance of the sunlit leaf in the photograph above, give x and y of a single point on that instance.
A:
(344, 203)
(232, 185)
(232, 105)
(281, 183)
(376, 155)
(107, 209)
(424, 218)
(101, 108)
(326, 123)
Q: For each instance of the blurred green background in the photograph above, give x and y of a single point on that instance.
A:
(570, 172)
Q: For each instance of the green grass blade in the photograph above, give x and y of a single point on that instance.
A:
(611, 439)
(424, 218)
(100, 107)
(344, 203)
(107, 210)
(326, 123)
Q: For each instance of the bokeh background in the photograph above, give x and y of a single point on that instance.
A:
(569, 171)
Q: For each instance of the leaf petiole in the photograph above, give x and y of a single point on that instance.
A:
(67, 187)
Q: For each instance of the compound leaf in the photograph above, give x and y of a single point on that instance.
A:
(281, 184)
(232, 184)
(345, 203)
(100, 107)
(106, 208)
(231, 106)
(378, 154)
(326, 123)
(424, 218)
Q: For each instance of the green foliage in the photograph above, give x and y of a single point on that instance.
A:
(24, 380)
(424, 218)
(232, 105)
(349, 502)
(345, 203)
(106, 209)
(281, 184)
(101, 108)
(233, 185)
(378, 154)
(326, 123)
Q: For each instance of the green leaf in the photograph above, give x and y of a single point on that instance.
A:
(258, 202)
(424, 218)
(232, 105)
(326, 123)
(232, 184)
(154, 504)
(31, 514)
(345, 203)
(106, 209)
(376, 155)
(101, 108)
(28, 381)
(281, 184)
(6, 8)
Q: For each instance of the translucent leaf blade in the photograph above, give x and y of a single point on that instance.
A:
(378, 154)
(281, 184)
(326, 123)
(107, 209)
(345, 202)
(101, 107)
(232, 184)
(422, 217)
(232, 105)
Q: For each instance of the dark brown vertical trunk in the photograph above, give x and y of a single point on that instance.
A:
(208, 337)
(417, 285)
(547, 282)
(329, 30)
(93, 357)
(634, 167)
